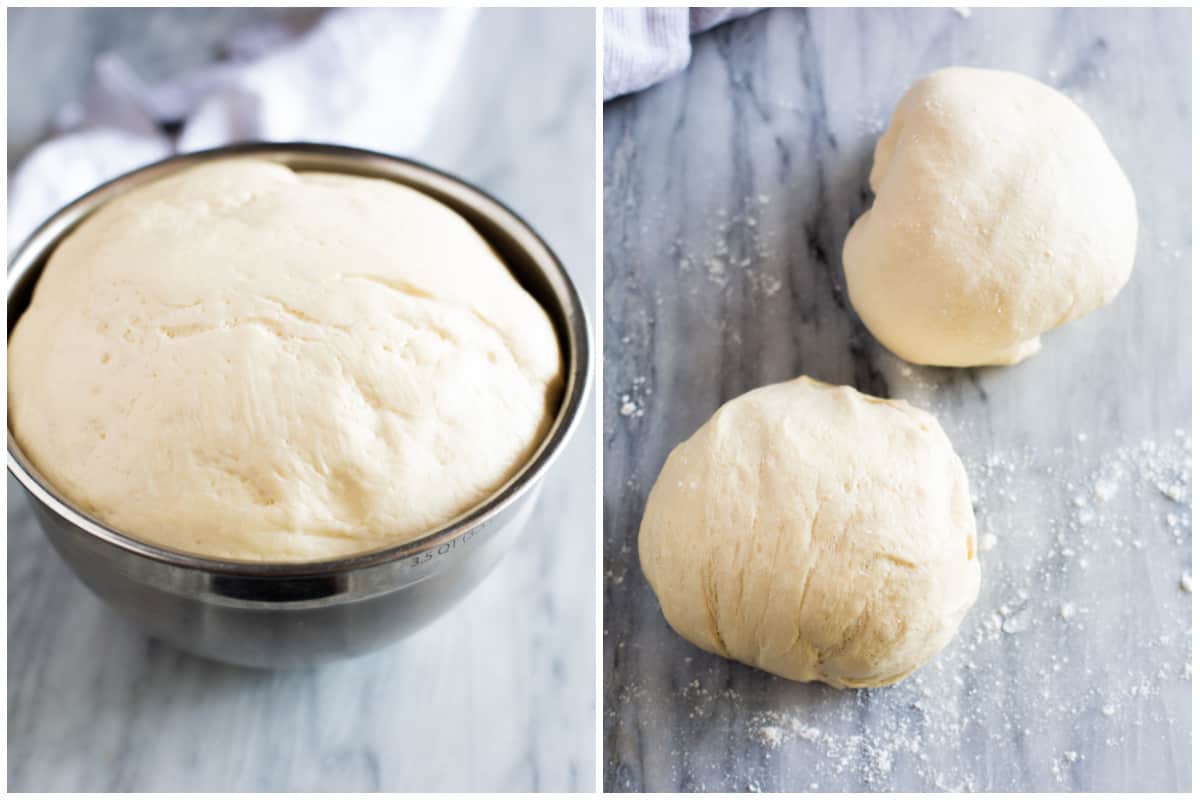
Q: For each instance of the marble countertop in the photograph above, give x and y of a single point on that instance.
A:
(728, 193)
(497, 695)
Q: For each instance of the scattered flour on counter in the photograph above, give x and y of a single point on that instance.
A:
(734, 251)
(935, 729)
(1057, 768)
(770, 735)
(873, 121)
(1173, 492)
(882, 759)
(1016, 620)
(716, 271)
(1136, 473)
(764, 285)
(871, 757)
(915, 380)
(773, 728)
(1104, 491)
(963, 12)
(632, 403)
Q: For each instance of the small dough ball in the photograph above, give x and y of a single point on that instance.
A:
(816, 533)
(247, 362)
(999, 214)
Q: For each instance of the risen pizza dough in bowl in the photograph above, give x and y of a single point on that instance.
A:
(245, 362)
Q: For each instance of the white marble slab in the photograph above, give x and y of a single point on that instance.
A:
(728, 193)
(499, 695)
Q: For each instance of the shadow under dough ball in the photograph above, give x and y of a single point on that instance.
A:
(999, 214)
(816, 533)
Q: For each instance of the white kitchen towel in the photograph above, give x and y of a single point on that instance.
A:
(369, 77)
(643, 46)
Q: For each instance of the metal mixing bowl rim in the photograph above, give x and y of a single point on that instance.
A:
(576, 348)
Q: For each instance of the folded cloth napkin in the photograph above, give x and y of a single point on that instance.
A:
(369, 77)
(643, 46)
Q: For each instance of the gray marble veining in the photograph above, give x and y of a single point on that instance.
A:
(728, 193)
(499, 694)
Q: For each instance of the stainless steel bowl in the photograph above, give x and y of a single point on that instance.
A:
(284, 615)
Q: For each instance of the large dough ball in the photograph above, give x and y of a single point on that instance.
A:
(814, 532)
(999, 214)
(246, 362)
